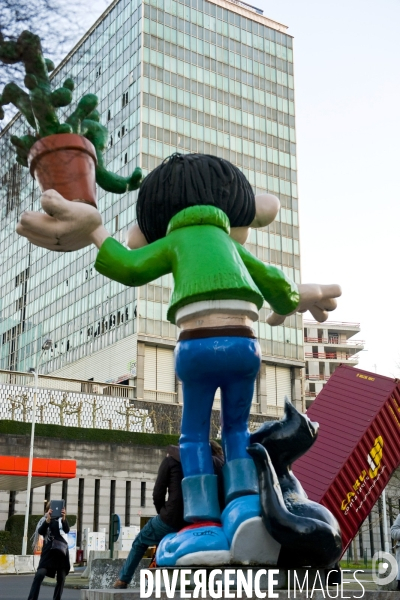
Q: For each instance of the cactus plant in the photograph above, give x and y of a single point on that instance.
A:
(39, 107)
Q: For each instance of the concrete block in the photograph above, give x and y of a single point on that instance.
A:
(104, 571)
(36, 561)
(92, 556)
(7, 564)
(24, 564)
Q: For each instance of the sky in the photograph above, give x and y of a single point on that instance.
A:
(346, 62)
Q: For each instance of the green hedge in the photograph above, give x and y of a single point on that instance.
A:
(4, 538)
(11, 538)
(89, 435)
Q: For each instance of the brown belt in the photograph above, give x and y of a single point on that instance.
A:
(207, 332)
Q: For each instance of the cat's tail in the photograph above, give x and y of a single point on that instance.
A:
(308, 540)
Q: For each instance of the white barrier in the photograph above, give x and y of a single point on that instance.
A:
(7, 564)
(24, 564)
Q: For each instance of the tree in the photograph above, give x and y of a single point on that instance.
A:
(39, 107)
(63, 406)
(76, 409)
(95, 408)
(22, 403)
(135, 416)
(59, 25)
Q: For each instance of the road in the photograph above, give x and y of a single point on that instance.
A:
(16, 587)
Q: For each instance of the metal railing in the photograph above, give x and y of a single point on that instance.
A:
(327, 324)
(318, 377)
(331, 355)
(275, 411)
(95, 404)
(159, 396)
(333, 340)
(255, 408)
(52, 382)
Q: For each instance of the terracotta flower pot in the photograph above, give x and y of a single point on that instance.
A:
(65, 162)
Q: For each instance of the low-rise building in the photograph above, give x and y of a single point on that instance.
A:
(326, 346)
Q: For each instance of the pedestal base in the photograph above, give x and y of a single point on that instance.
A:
(282, 595)
(230, 581)
(218, 582)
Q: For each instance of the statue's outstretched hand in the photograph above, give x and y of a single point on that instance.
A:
(65, 225)
(318, 299)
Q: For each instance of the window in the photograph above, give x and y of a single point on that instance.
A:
(64, 493)
(96, 504)
(112, 497)
(79, 525)
(128, 504)
(47, 494)
(12, 179)
(143, 494)
(333, 337)
(11, 504)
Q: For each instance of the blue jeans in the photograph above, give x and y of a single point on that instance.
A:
(203, 365)
(151, 535)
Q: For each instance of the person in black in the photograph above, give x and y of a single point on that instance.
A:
(169, 517)
(52, 561)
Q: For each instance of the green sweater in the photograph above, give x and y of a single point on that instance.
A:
(206, 263)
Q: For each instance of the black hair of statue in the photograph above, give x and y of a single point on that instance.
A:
(184, 180)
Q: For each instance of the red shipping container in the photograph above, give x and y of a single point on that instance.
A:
(358, 446)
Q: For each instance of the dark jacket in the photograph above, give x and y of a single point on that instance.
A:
(53, 560)
(218, 463)
(169, 479)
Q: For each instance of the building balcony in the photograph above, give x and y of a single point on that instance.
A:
(327, 324)
(334, 341)
(333, 356)
(344, 327)
(353, 359)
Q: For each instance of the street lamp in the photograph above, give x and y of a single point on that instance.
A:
(46, 346)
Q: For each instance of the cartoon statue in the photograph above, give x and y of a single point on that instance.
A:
(194, 212)
(307, 531)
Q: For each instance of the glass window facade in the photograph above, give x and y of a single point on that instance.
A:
(171, 76)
